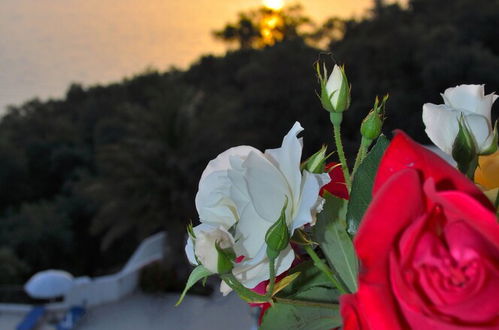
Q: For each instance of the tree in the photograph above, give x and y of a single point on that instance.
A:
(265, 27)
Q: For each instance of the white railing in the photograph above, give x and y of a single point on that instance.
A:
(104, 289)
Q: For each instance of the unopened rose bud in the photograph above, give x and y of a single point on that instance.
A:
(372, 124)
(335, 91)
(213, 248)
(277, 237)
(464, 149)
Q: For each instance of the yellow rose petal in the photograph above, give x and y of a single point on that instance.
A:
(487, 173)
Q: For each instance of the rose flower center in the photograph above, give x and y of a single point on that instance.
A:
(459, 275)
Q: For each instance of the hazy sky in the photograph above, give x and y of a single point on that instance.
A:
(46, 44)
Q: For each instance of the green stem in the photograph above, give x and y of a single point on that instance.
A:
(243, 291)
(336, 119)
(472, 168)
(305, 303)
(496, 203)
(362, 153)
(270, 289)
(325, 269)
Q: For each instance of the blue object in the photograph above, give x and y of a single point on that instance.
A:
(31, 319)
(72, 316)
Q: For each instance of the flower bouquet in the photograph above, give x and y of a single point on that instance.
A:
(402, 240)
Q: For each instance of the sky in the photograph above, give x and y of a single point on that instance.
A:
(47, 44)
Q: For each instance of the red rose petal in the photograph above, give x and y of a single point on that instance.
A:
(336, 186)
(404, 153)
(398, 203)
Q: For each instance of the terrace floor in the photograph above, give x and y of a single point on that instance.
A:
(157, 312)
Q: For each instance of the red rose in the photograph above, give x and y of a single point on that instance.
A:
(352, 319)
(428, 247)
(336, 186)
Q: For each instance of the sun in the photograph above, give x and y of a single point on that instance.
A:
(274, 4)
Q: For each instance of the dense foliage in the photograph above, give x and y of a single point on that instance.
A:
(85, 178)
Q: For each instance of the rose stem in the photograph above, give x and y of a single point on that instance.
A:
(361, 154)
(305, 303)
(336, 119)
(241, 290)
(270, 289)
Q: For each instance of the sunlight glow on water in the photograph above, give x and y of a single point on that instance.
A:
(47, 44)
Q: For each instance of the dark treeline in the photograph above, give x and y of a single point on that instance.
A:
(85, 178)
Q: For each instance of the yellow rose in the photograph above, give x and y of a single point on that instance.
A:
(487, 173)
(487, 176)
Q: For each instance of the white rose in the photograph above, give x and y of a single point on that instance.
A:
(469, 101)
(203, 246)
(244, 190)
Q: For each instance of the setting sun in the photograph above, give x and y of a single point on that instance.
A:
(274, 4)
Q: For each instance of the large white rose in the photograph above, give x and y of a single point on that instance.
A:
(469, 101)
(203, 248)
(244, 191)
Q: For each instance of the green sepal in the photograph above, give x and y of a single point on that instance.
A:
(277, 237)
(324, 97)
(225, 259)
(343, 93)
(190, 231)
(198, 273)
(464, 150)
(301, 238)
(317, 162)
(493, 145)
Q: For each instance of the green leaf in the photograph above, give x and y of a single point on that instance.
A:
(197, 274)
(330, 232)
(361, 193)
(282, 284)
(287, 316)
(311, 285)
(300, 237)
